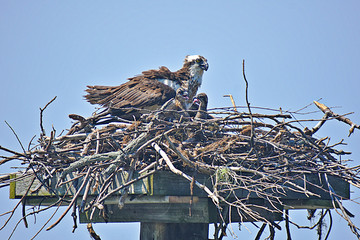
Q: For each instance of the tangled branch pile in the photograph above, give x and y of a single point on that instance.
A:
(261, 154)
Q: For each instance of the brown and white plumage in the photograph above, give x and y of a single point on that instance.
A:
(151, 89)
(144, 93)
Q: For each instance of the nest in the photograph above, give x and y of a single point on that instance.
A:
(257, 153)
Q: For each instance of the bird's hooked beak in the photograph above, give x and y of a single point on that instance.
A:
(185, 95)
(196, 101)
(204, 66)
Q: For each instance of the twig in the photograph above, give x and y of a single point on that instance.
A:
(23, 210)
(310, 132)
(57, 208)
(88, 160)
(272, 232)
(58, 202)
(201, 167)
(41, 116)
(180, 173)
(73, 215)
(261, 230)
(130, 148)
(287, 227)
(345, 213)
(13, 152)
(127, 184)
(327, 110)
(232, 101)
(22, 198)
(248, 105)
(124, 191)
(52, 135)
(17, 138)
(72, 201)
(86, 192)
(92, 232)
(330, 224)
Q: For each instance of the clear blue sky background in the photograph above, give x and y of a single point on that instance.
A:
(295, 52)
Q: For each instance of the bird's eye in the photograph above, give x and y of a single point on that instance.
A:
(198, 60)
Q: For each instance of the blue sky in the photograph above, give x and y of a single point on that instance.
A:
(295, 52)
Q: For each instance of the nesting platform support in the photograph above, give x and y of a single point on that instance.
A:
(164, 205)
(179, 231)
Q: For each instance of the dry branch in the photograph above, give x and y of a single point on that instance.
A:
(41, 116)
(341, 118)
(180, 173)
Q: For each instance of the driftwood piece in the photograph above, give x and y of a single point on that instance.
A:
(131, 148)
(88, 160)
(341, 118)
(310, 132)
(180, 173)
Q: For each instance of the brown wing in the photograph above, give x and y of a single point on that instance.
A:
(164, 73)
(136, 93)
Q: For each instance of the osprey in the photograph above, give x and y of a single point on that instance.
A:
(151, 89)
(175, 107)
(198, 108)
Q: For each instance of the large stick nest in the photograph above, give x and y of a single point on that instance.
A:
(259, 153)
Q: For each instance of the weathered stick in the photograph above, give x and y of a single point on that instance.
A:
(180, 173)
(130, 148)
(310, 132)
(72, 201)
(232, 101)
(327, 110)
(13, 152)
(88, 160)
(18, 139)
(22, 198)
(41, 116)
(198, 165)
(92, 232)
(127, 184)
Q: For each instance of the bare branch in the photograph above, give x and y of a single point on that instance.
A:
(41, 116)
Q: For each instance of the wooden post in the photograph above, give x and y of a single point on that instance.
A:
(178, 231)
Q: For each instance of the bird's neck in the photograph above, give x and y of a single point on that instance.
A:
(202, 107)
(196, 74)
(180, 104)
(192, 73)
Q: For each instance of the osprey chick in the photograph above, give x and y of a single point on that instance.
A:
(198, 108)
(175, 107)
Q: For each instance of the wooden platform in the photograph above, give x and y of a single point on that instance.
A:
(165, 198)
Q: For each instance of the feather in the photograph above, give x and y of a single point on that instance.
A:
(151, 89)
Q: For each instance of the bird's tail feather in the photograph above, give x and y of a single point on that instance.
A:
(99, 94)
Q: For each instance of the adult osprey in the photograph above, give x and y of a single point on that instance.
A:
(151, 89)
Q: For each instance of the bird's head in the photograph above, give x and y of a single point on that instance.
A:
(196, 62)
(181, 98)
(201, 99)
(182, 94)
(195, 65)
